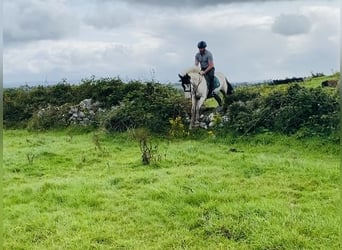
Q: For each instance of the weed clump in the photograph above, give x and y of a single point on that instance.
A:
(149, 152)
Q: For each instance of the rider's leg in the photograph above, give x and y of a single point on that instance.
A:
(211, 74)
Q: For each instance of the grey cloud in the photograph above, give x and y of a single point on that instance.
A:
(176, 32)
(37, 20)
(108, 17)
(291, 24)
(196, 3)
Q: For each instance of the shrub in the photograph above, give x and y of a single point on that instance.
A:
(245, 117)
(150, 106)
(49, 117)
(177, 128)
(285, 111)
(16, 109)
(242, 94)
(22, 104)
(301, 106)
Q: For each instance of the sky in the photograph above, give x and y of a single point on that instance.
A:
(47, 41)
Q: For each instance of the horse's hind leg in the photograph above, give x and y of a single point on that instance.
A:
(218, 99)
(224, 93)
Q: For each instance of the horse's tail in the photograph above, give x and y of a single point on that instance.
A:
(230, 89)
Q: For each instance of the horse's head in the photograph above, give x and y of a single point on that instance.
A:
(185, 80)
(191, 77)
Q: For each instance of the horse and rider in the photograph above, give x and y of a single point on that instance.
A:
(203, 82)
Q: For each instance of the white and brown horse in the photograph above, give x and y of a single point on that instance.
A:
(194, 82)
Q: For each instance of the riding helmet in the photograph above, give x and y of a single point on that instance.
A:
(202, 45)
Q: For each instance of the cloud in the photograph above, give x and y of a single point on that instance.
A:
(108, 16)
(192, 3)
(129, 39)
(37, 20)
(45, 56)
(291, 24)
(77, 59)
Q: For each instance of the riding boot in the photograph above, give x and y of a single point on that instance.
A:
(211, 89)
(210, 92)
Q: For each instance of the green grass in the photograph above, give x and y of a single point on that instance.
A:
(91, 191)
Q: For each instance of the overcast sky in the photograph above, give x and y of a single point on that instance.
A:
(50, 40)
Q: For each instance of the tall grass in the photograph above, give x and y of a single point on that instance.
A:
(91, 191)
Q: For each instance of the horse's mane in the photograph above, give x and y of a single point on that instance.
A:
(193, 69)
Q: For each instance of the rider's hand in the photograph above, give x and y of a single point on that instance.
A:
(201, 72)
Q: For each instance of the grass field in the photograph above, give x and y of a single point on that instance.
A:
(91, 191)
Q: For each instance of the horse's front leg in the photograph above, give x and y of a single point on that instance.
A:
(193, 112)
(198, 107)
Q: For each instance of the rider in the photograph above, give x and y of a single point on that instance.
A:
(205, 59)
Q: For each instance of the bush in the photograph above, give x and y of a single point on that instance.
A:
(49, 117)
(312, 108)
(286, 111)
(177, 128)
(242, 94)
(22, 104)
(149, 106)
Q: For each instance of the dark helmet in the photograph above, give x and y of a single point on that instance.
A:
(202, 45)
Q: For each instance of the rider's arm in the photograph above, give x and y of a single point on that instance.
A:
(211, 65)
(196, 61)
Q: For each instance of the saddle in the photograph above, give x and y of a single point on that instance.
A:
(216, 82)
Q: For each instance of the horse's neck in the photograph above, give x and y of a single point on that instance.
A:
(193, 70)
(197, 79)
(202, 80)
(200, 85)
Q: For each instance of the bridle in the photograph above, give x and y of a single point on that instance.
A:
(192, 88)
(188, 84)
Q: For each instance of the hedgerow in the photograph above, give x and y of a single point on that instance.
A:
(308, 111)
(125, 105)
(291, 109)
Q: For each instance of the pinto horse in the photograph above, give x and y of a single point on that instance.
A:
(195, 83)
